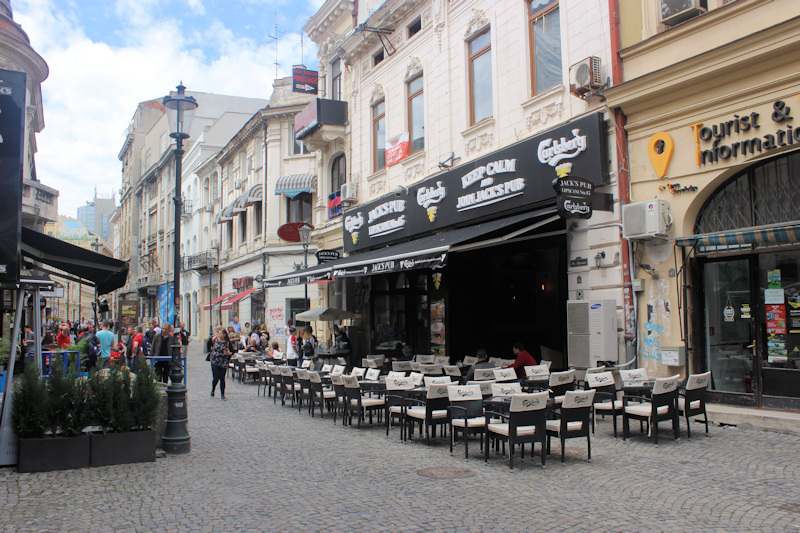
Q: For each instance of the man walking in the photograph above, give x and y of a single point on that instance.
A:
(184, 340)
(162, 345)
(106, 339)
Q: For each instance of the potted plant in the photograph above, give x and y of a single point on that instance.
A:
(49, 419)
(124, 407)
(5, 350)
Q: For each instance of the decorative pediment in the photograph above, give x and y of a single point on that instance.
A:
(414, 67)
(377, 94)
(478, 21)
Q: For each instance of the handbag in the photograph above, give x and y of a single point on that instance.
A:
(208, 356)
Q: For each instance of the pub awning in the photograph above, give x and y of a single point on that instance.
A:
(214, 302)
(106, 273)
(228, 304)
(427, 252)
(295, 184)
(255, 194)
(764, 235)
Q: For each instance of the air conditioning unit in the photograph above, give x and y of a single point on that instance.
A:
(585, 76)
(676, 11)
(239, 184)
(215, 244)
(349, 192)
(646, 220)
(592, 332)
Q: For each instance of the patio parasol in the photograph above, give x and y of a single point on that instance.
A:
(324, 314)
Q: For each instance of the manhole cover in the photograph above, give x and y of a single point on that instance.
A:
(445, 473)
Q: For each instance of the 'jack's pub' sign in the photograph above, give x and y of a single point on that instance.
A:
(517, 177)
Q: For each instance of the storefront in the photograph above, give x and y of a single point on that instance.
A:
(473, 257)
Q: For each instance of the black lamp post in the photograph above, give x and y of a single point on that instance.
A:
(180, 112)
(305, 239)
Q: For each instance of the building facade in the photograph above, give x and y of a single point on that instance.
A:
(96, 216)
(710, 96)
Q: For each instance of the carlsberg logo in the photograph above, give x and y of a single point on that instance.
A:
(552, 151)
(428, 196)
(353, 223)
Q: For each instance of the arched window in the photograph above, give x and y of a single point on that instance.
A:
(338, 173)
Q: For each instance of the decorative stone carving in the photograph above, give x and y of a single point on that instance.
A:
(377, 187)
(414, 172)
(544, 114)
(438, 20)
(377, 93)
(414, 67)
(478, 143)
(477, 21)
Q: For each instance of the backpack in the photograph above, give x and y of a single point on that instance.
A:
(146, 346)
(309, 347)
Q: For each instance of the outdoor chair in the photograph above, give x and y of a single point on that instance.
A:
(358, 372)
(606, 399)
(263, 379)
(430, 413)
(395, 374)
(326, 368)
(693, 401)
(320, 395)
(425, 359)
(414, 366)
(401, 366)
(306, 364)
(304, 392)
(506, 362)
(250, 371)
(416, 377)
(338, 369)
(340, 397)
(396, 402)
(574, 420)
(506, 389)
(637, 374)
(431, 369)
(537, 371)
(485, 386)
(525, 422)
(452, 371)
(484, 374)
(661, 406)
(372, 374)
(441, 360)
(466, 414)
(504, 374)
(342, 361)
(288, 385)
(560, 383)
(469, 360)
(436, 380)
(358, 404)
(274, 381)
(496, 361)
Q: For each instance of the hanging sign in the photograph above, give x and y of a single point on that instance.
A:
(745, 310)
(573, 197)
(323, 256)
(304, 81)
(728, 313)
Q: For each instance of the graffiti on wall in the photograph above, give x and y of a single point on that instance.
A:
(657, 325)
(276, 321)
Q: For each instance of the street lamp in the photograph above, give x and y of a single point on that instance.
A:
(305, 239)
(180, 112)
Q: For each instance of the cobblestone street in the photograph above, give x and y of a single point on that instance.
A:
(257, 466)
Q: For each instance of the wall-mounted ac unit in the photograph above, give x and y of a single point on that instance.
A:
(591, 332)
(676, 11)
(349, 192)
(646, 220)
(585, 76)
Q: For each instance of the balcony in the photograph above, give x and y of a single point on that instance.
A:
(202, 261)
(320, 123)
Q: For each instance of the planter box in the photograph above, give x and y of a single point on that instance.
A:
(123, 448)
(60, 453)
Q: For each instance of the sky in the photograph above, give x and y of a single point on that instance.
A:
(106, 56)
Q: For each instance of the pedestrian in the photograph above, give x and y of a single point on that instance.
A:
(234, 339)
(184, 340)
(309, 343)
(162, 346)
(292, 352)
(136, 347)
(483, 362)
(237, 327)
(220, 356)
(106, 339)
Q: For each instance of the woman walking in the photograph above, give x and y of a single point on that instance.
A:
(220, 356)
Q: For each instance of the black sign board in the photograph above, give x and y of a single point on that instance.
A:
(304, 81)
(579, 262)
(323, 256)
(515, 178)
(12, 132)
(574, 197)
(318, 112)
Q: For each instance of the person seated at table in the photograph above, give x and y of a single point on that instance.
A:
(275, 351)
(407, 354)
(483, 362)
(524, 358)
(342, 341)
(264, 334)
(252, 347)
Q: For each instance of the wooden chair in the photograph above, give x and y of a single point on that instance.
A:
(525, 422)
(574, 421)
(693, 401)
(466, 413)
(661, 406)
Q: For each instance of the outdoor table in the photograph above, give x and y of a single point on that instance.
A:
(154, 358)
(372, 385)
(638, 387)
(535, 383)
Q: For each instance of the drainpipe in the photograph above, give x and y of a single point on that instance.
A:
(623, 180)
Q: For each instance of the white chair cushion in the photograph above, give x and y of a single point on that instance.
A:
(555, 425)
(419, 412)
(328, 394)
(478, 421)
(503, 429)
(368, 402)
(606, 406)
(396, 409)
(682, 404)
(559, 399)
(645, 409)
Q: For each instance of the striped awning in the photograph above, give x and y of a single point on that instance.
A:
(770, 235)
(295, 184)
(225, 215)
(255, 195)
(217, 300)
(227, 305)
(239, 205)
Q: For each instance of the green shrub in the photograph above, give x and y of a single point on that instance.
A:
(67, 402)
(146, 398)
(29, 410)
(100, 401)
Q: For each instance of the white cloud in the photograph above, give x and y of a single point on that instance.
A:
(93, 87)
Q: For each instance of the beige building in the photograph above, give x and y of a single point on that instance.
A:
(711, 99)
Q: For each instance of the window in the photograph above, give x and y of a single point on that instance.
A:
(297, 147)
(214, 186)
(480, 77)
(243, 228)
(377, 58)
(300, 208)
(338, 172)
(414, 28)
(258, 217)
(416, 118)
(379, 135)
(229, 233)
(336, 80)
(163, 143)
(206, 192)
(546, 43)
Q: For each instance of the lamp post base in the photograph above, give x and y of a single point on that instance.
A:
(176, 436)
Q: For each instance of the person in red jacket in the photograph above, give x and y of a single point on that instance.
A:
(62, 339)
(523, 359)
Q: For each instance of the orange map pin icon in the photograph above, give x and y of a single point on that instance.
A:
(660, 148)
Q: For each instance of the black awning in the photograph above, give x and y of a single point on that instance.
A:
(106, 273)
(427, 252)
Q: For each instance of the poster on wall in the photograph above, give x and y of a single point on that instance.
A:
(128, 316)
(437, 327)
(166, 303)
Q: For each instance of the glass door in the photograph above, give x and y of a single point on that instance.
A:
(729, 327)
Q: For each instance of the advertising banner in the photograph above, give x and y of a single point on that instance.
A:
(396, 149)
(166, 303)
(304, 81)
(12, 132)
(128, 313)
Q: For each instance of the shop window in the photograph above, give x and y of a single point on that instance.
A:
(381, 284)
(402, 282)
(299, 208)
(480, 77)
(545, 28)
(416, 115)
(297, 147)
(336, 80)
(379, 135)
(414, 28)
(422, 282)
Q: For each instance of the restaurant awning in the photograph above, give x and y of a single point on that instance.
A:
(763, 235)
(295, 184)
(214, 302)
(255, 194)
(427, 252)
(228, 304)
(106, 273)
